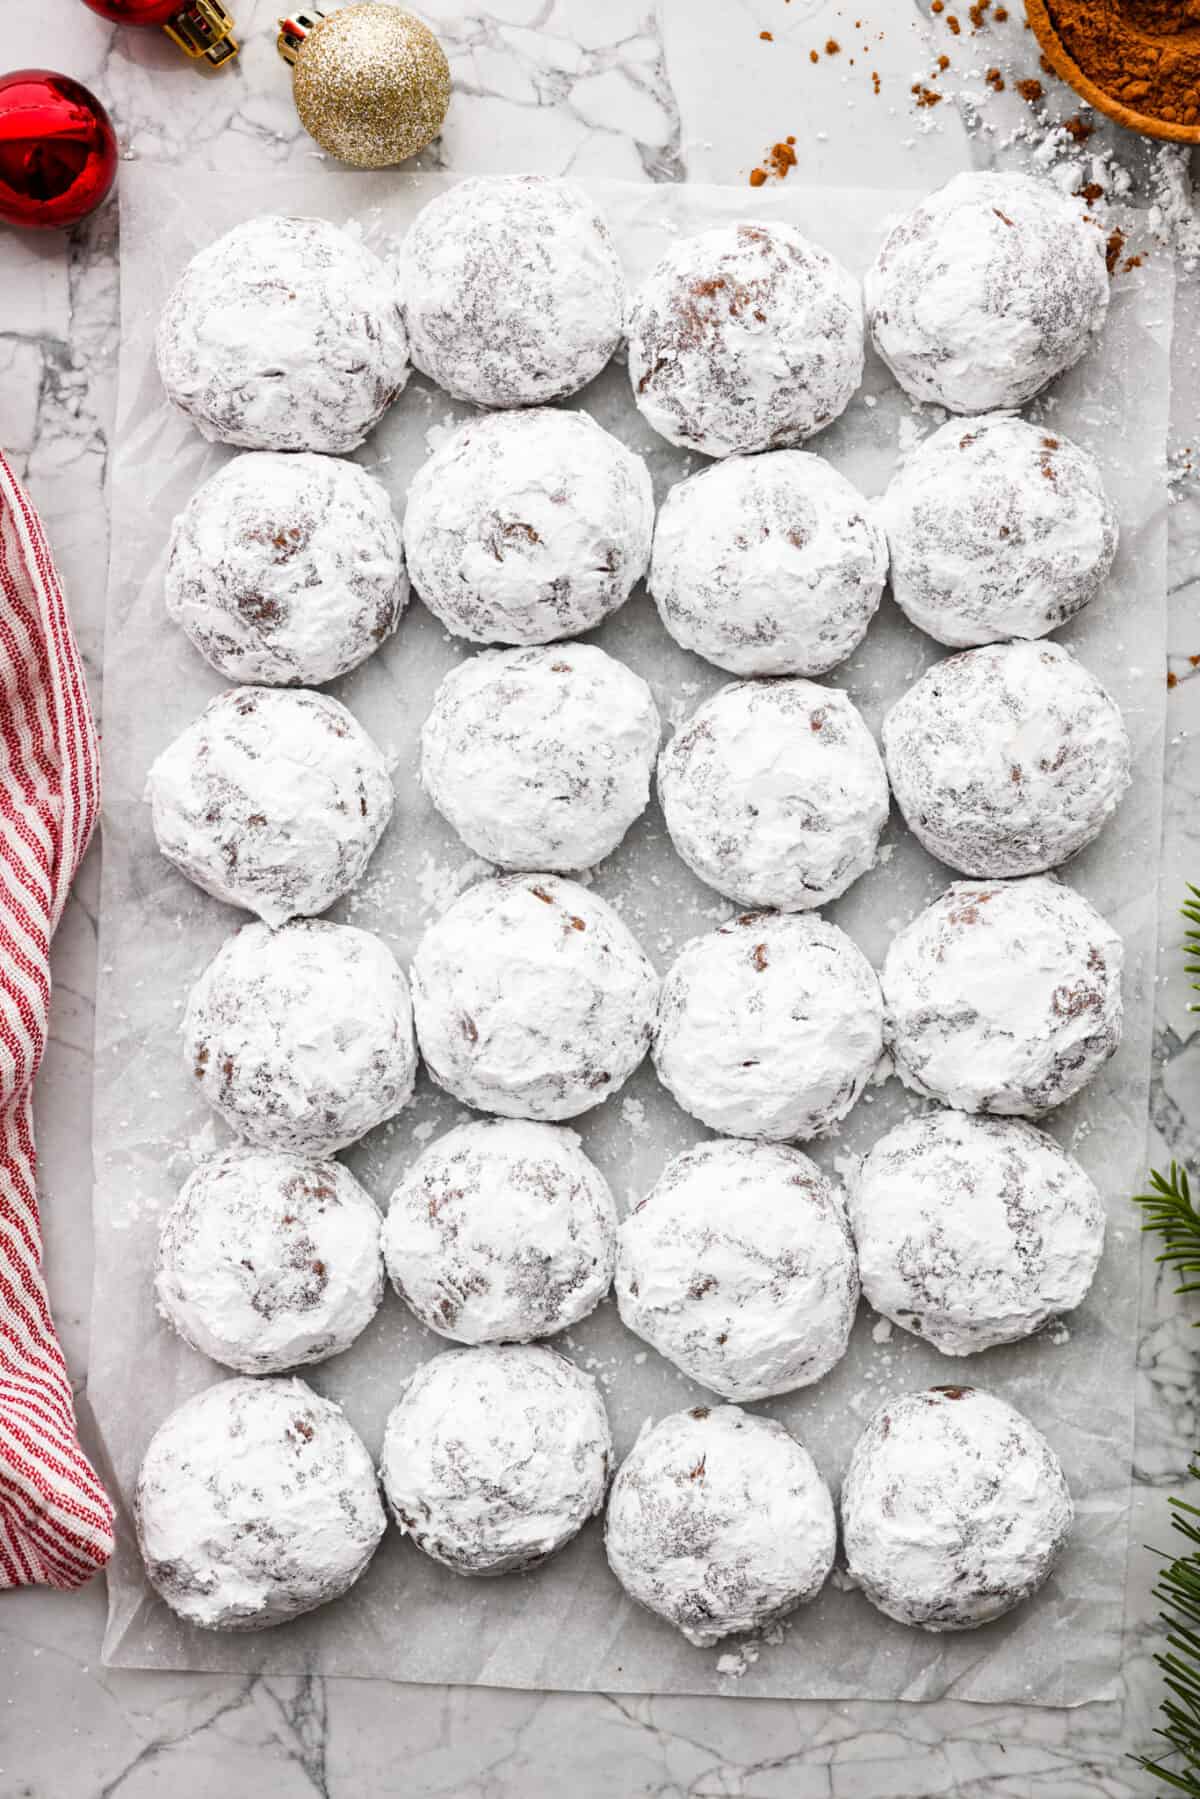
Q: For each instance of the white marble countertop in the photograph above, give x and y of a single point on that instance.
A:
(678, 90)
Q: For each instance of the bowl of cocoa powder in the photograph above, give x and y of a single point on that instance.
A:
(1136, 60)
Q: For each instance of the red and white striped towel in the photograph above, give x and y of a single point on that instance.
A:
(56, 1521)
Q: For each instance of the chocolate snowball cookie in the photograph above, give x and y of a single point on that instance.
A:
(719, 1522)
(285, 334)
(973, 1231)
(986, 291)
(769, 1026)
(1007, 760)
(745, 337)
(1003, 996)
(768, 565)
(954, 1509)
(287, 569)
(271, 800)
(532, 998)
(302, 1038)
(513, 291)
(502, 1231)
(256, 1501)
(269, 1261)
(541, 758)
(525, 527)
(997, 528)
(738, 1266)
(774, 793)
(495, 1458)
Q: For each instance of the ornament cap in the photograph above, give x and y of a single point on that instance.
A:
(203, 29)
(294, 29)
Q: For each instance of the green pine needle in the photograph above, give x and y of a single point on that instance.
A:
(1168, 1210)
(1191, 939)
(1179, 1590)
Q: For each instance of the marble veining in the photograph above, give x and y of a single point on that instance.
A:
(681, 89)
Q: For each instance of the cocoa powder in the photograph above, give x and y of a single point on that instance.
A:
(1145, 53)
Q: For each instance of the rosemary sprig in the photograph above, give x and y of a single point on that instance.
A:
(1179, 1590)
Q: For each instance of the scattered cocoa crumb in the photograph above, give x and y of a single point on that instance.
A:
(1090, 192)
(943, 63)
(1079, 129)
(952, 23)
(1172, 678)
(757, 177)
(832, 47)
(1112, 250)
(781, 157)
(975, 14)
(938, 6)
(768, 37)
(875, 80)
(1194, 661)
(926, 96)
(814, 56)
(1132, 262)
(1000, 14)
(995, 80)
(1030, 89)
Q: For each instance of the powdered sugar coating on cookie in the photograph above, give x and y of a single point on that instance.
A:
(738, 1266)
(502, 1231)
(745, 337)
(302, 1038)
(1007, 760)
(513, 290)
(973, 1231)
(954, 1509)
(541, 757)
(285, 334)
(1003, 996)
(997, 528)
(532, 998)
(267, 1261)
(769, 1026)
(986, 291)
(526, 527)
(256, 1502)
(271, 800)
(768, 565)
(287, 569)
(774, 793)
(719, 1522)
(496, 1457)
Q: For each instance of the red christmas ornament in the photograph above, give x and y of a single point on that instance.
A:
(58, 150)
(200, 28)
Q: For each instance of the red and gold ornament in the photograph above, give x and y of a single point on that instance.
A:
(58, 150)
(200, 28)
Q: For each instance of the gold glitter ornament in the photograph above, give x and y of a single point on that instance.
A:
(371, 82)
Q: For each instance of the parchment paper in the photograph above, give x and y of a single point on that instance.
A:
(569, 1625)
